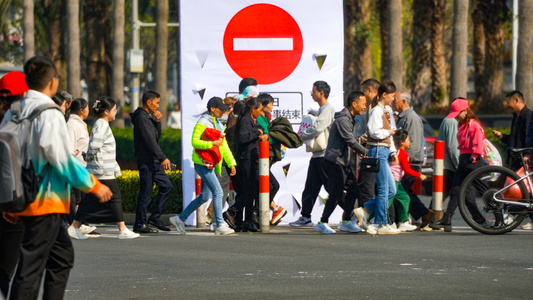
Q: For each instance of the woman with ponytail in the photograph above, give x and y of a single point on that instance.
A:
(249, 133)
(101, 161)
(381, 128)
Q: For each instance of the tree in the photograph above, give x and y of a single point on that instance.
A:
(28, 29)
(439, 90)
(460, 47)
(73, 53)
(524, 72)
(494, 13)
(161, 55)
(117, 81)
(357, 54)
(421, 70)
(55, 10)
(382, 10)
(96, 16)
(395, 59)
(479, 50)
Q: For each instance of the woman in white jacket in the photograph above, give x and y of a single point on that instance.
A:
(381, 128)
(79, 142)
(101, 161)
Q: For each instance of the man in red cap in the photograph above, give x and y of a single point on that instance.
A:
(13, 87)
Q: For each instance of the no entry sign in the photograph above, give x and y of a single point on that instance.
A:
(263, 41)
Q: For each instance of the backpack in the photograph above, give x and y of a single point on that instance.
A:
(19, 183)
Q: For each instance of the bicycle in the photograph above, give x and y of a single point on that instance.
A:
(494, 199)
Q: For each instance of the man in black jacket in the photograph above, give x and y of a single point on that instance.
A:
(517, 139)
(151, 162)
(341, 176)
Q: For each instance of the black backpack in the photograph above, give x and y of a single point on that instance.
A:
(19, 184)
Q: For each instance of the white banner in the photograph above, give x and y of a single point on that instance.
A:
(285, 46)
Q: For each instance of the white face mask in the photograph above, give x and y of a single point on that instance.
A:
(223, 119)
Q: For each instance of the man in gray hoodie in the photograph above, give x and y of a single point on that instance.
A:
(341, 176)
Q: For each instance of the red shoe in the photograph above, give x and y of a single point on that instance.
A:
(277, 215)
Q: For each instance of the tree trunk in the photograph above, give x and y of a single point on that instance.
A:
(459, 76)
(439, 93)
(421, 66)
(161, 54)
(395, 60)
(95, 15)
(117, 82)
(479, 51)
(524, 72)
(494, 11)
(384, 32)
(29, 30)
(56, 51)
(73, 56)
(358, 55)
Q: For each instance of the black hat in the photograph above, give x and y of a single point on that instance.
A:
(217, 102)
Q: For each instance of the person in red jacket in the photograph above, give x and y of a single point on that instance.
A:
(402, 199)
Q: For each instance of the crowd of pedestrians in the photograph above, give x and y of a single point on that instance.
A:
(376, 122)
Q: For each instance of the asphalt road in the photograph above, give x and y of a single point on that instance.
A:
(300, 263)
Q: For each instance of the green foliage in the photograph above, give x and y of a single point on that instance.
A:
(128, 183)
(170, 143)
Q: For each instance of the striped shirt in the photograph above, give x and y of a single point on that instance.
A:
(101, 155)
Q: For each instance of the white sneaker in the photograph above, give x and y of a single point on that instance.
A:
(371, 229)
(387, 229)
(179, 224)
(405, 226)
(212, 227)
(76, 234)
(84, 229)
(127, 234)
(527, 226)
(224, 229)
(324, 228)
(302, 222)
(362, 216)
(349, 227)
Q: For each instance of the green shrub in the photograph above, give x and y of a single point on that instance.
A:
(170, 143)
(128, 183)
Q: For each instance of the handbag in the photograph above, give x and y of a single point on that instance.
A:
(370, 164)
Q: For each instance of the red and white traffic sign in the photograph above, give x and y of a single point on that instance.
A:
(263, 41)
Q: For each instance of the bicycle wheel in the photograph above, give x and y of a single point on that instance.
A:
(478, 207)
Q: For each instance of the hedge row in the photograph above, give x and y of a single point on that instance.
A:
(128, 183)
(170, 143)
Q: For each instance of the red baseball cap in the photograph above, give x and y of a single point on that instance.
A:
(458, 105)
(13, 84)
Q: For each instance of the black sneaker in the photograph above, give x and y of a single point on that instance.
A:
(145, 229)
(230, 219)
(158, 224)
(250, 227)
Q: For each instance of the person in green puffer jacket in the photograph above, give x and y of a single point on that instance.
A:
(210, 184)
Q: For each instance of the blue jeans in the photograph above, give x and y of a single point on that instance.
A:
(210, 185)
(386, 186)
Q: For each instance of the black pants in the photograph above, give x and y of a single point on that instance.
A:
(10, 239)
(417, 209)
(464, 169)
(316, 178)
(367, 185)
(248, 191)
(45, 245)
(340, 179)
(75, 199)
(148, 174)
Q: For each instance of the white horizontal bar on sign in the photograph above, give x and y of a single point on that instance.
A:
(262, 44)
